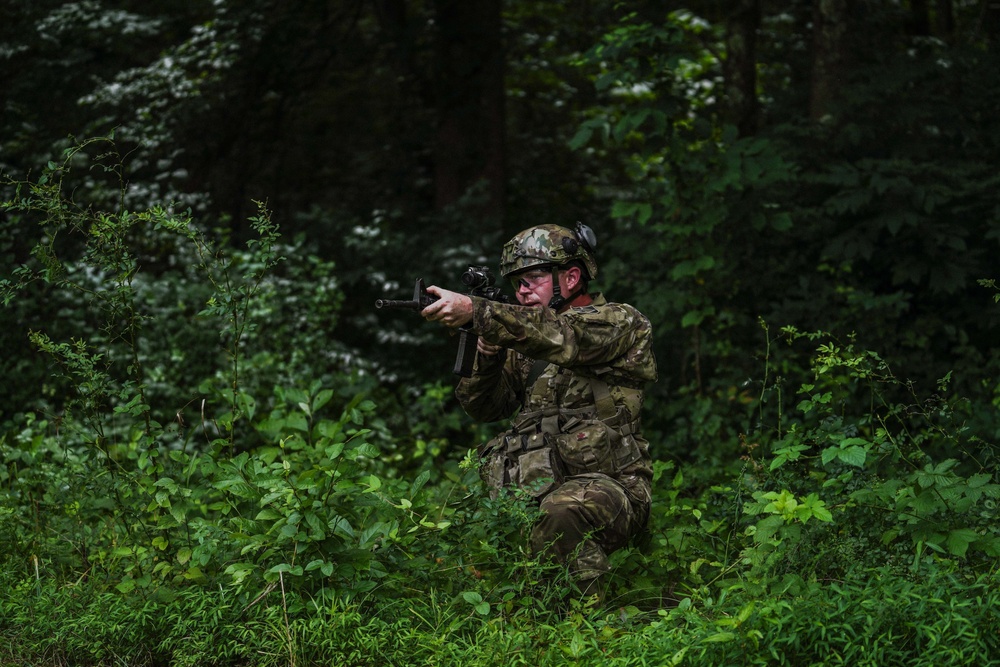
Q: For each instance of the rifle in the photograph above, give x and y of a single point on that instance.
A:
(480, 281)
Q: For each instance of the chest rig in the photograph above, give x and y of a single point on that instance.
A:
(571, 425)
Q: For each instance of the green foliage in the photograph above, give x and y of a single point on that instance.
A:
(876, 620)
(213, 453)
(851, 226)
(905, 477)
(287, 492)
(296, 538)
(879, 619)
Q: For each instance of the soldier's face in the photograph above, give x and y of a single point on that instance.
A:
(533, 288)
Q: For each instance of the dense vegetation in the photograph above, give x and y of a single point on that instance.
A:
(215, 451)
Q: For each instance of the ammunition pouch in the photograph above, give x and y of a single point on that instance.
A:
(530, 462)
(546, 446)
(594, 445)
(547, 449)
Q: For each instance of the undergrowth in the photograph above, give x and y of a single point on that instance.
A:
(258, 515)
(873, 618)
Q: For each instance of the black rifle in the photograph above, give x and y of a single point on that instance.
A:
(480, 281)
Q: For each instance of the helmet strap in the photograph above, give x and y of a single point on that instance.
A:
(558, 300)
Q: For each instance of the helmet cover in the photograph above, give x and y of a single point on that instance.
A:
(547, 245)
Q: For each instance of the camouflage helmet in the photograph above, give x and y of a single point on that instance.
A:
(547, 245)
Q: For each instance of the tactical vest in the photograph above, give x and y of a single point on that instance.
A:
(545, 446)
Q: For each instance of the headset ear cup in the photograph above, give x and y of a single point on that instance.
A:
(570, 246)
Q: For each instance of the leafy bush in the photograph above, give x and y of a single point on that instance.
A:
(290, 517)
(898, 485)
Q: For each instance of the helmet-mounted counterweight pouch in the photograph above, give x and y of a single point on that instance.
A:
(586, 236)
(582, 236)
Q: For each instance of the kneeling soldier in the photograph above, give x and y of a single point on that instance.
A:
(572, 366)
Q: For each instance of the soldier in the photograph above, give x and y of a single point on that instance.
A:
(572, 366)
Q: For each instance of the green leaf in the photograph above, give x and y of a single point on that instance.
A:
(767, 527)
(822, 514)
(581, 137)
(853, 456)
(370, 534)
(979, 480)
(316, 525)
(321, 399)
(959, 540)
(296, 421)
(813, 507)
(829, 454)
(781, 222)
(419, 482)
(692, 267)
(247, 404)
(267, 514)
(294, 570)
(368, 450)
(622, 209)
(695, 317)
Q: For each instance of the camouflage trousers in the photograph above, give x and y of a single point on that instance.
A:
(583, 521)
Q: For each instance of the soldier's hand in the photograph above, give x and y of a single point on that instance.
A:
(487, 349)
(451, 309)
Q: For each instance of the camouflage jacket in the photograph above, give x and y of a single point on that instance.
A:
(599, 353)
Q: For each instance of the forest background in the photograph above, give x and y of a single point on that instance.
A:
(216, 451)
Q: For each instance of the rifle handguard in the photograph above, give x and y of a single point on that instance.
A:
(480, 281)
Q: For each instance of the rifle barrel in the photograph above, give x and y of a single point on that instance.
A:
(396, 303)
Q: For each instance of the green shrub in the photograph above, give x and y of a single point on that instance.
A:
(838, 490)
(278, 516)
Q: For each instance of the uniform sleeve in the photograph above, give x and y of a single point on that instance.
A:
(493, 392)
(611, 334)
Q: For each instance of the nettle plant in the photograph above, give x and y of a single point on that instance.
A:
(855, 476)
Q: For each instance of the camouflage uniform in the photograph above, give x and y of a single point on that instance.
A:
(575, 444)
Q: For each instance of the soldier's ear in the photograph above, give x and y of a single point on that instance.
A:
(573, 274)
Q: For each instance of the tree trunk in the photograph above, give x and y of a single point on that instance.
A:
(989, 22)
(945, 23)
(740, 67)
(469, 92)
(829, 58)
(920, 17)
